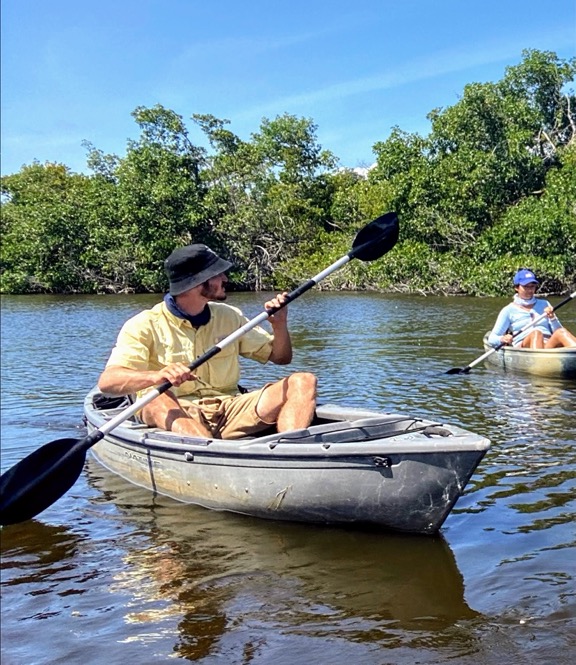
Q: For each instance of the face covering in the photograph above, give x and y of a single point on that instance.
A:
(524, 301)
(197, 321)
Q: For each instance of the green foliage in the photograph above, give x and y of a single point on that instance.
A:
(492, 188)
(540, 231)
(43, 230)
(159, 192)
(264, 199)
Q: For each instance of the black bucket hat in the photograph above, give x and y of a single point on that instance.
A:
(192, 265)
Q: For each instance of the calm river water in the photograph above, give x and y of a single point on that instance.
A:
(112, 574)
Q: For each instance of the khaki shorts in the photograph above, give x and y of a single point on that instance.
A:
(227, 417)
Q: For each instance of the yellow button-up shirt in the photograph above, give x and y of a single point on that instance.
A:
(155, 338)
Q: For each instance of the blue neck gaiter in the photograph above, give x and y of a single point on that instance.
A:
(197, 320)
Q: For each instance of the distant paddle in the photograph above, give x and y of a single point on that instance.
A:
(465, 370)
(40, 479)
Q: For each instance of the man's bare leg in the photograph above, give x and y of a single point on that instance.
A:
(290, 402)
(165, 412)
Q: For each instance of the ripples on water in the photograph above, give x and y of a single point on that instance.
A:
(113, 574)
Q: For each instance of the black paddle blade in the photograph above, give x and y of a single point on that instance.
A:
(39, 480)
(376, 238)
(458, 370)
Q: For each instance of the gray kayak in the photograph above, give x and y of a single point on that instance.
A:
(351, 466)
(558, 363)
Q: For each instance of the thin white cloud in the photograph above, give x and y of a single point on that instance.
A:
(423, 68)
(250, 46)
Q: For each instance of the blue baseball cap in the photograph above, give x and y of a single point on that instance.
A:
(523, 277)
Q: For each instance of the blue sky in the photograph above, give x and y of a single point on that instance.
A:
(75, 70)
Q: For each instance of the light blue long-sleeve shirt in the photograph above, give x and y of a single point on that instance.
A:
(512, 319)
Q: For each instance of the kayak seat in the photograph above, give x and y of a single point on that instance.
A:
(365, 429)
(111, 405)
(103, 402)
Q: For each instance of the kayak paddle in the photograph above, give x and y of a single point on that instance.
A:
(45, 475)
(465, 370)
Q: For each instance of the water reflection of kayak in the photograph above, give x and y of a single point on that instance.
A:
(405, 580)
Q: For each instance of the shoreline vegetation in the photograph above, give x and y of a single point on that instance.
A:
(491, 189)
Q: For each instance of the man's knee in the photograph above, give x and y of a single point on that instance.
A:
(303, 383)
(162, 410)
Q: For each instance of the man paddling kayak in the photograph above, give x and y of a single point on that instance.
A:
(157, 345)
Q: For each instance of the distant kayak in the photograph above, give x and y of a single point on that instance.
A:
(559, 363)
